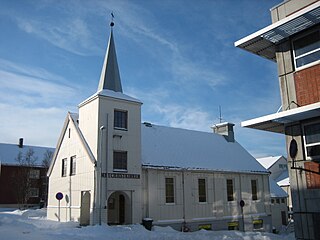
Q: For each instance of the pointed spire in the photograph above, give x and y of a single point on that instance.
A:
(110, 76)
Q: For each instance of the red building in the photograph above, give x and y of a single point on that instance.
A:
(23, 180)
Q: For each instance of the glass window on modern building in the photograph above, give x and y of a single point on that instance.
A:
(312, 140)
(307, 49)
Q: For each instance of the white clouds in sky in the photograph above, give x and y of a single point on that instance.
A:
(33, 105)
(71, 34)
(42, 97)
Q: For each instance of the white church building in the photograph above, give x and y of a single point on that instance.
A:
(111, 168)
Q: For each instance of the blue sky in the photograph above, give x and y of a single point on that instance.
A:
(177, 56)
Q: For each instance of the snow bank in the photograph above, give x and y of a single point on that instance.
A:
(32, 224)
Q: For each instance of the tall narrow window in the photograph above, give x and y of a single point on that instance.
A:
(64, 167)
(169, 190)
(120, 119)
(202, 190)
(230, 196)
(119, 160)
(254, 189)
(73, 165)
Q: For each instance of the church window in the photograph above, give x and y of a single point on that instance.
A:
(73, 165)
(169, 190)
(254, 190)
(230, 196)
(120, 160)
(120, 119)
(202, 190)
(64, 167)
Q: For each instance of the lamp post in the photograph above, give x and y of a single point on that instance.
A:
(100, 171)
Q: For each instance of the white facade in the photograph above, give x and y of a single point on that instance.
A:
(120, 171)
(216, 211)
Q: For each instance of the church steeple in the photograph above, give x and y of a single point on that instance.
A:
(110, 76)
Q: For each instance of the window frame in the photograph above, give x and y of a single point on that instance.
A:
(120, 165)
(202, 197)
(170, 198)
(118, 122)
(73, 165)
(64, 167)
(230, 195)
(306, 145)
(295, 58)
(33, 190)
(34, 174)
(254, 190)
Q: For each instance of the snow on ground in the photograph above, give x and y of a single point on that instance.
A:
(32, 224)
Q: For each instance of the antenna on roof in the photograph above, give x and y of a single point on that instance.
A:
(220, 116)
(112, 17)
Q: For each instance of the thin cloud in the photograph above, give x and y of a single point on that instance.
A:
(29, 71)
(71, 34)
(34, 107)
(36, 125)
(159, 110)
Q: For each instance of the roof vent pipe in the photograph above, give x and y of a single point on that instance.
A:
(225, 129)
(20, 143)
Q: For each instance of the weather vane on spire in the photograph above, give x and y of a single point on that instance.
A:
(112, 17)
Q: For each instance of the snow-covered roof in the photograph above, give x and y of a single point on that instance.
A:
(267, 162)
(112, 94)
(275, 190)
(284, 182)
(283, 175)
(174, 147)
(9, 153)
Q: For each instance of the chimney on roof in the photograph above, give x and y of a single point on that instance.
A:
(225, 129)
(20, 143)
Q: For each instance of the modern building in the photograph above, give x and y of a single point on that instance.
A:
(280, 200)
(23, 176)
(293, 42)
(110, 168)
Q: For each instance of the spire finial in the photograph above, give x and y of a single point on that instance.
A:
(112, 17)
(110, 76)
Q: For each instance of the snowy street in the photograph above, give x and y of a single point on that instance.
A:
(32, 224)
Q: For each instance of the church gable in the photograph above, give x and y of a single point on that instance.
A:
(71, 144)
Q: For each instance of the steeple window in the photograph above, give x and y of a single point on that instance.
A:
(120, 161)
(120, 119)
